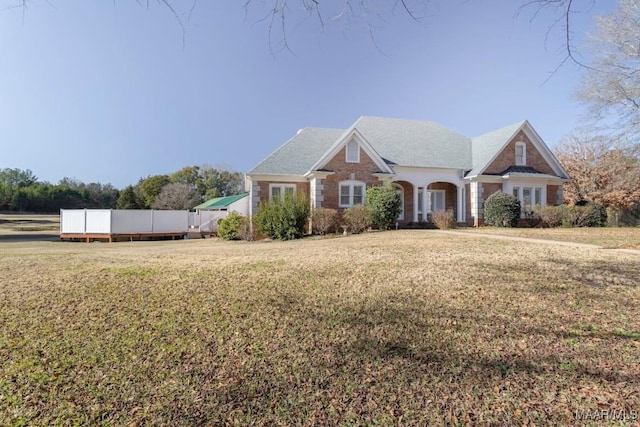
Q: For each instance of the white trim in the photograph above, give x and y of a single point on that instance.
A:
(351, 184)
(282, 187)
(276, 178)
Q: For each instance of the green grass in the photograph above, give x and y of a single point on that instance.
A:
(393, 328)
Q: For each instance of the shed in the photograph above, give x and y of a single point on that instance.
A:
(238, 203)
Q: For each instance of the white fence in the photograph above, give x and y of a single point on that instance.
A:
(110, 221)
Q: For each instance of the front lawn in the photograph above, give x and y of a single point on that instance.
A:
(394, 328)
(607, 237)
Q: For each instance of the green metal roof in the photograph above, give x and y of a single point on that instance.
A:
(220, 202)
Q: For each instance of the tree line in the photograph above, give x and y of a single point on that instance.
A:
(22, 191)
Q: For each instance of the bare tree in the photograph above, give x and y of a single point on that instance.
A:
(177, 196)
(276, 14)
(611, 85)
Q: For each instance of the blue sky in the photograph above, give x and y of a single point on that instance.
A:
(108, 92)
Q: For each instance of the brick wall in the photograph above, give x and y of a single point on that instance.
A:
(490, 188)
(553, 191)
(508, 158)
(343, 172)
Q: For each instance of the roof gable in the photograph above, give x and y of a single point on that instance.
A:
(298, 154)
(352, 135)
(486, 148)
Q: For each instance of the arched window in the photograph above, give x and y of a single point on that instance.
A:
(353, 152)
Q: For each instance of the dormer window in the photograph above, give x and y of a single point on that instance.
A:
(521, 154)
(353, 152)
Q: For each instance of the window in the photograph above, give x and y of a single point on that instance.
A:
(529, 197)
(351, 193)
(279, 191)
(437, 200)
(353, 152)
(521, 154)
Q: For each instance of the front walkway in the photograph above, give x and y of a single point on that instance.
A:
(540, 241)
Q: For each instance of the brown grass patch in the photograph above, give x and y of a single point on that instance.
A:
(20, 224)
(401, 327)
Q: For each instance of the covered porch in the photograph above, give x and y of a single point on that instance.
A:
(419, 201)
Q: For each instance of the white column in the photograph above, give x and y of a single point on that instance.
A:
(424, 203)
(415, 202)
(460, 207)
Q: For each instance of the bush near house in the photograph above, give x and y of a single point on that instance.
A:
(588, 215)
(357, 218)
(283, 219)
(444, 220)
(502, 210)
(384, 206)
(233, 226)
(324, 220)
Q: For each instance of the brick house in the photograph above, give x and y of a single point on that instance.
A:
(432, 167)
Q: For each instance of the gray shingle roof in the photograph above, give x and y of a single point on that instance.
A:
(397, 141)
(485, 147)
(416, 143)
(300, 153)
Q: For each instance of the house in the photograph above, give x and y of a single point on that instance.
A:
(432, 167)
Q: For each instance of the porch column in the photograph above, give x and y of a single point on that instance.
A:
(460, 207)
(424, 203)
(415, 202)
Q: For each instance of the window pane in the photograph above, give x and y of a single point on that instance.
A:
(288, 191)
(419, 201)
(439, 200)
(538, 196)
(526, 197)
(519, 154)
(516, 190)
(353, 152)
(358, 195)
(275, 192)
(344, 195)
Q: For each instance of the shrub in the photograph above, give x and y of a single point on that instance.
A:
(502, 210)
(324, 220)
(357, 218)
(444, 220)
(384, 206)
(283, 219)
(232, 227)
(584, 215)
(551, 216)
(245, 232)
(590, 214)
